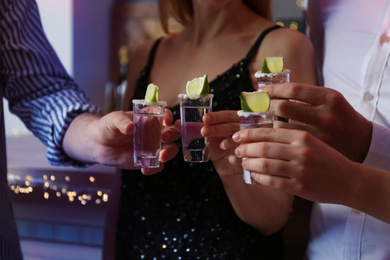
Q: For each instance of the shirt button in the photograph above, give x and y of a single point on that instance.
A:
(355, 211)
(368, 96)
(384, 38)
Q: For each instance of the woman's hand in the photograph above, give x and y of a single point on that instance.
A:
(324, 113)
(296, 162)
(220, 126)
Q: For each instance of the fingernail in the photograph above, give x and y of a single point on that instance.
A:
(238, 151)
(206, 118)
(205, 131)
(166, 155)
(236, 137)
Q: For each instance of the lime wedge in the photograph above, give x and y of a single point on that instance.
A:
(198, 86)
(244, 105)
(272, 65)
(151, 94)
(256, 101)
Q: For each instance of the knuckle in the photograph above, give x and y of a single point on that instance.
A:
(294, 89)
(263, 165)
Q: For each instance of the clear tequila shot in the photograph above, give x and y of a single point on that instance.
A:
(273, 78)
(148, 124)
(254, 120)
(192, 108)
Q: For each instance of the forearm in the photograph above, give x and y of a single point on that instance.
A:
(79, 142)
(39, 90)
(262, 207)
(370, 192)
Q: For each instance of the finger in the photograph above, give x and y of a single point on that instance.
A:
(220, 130)
(123, 121)
(178, 125)
(278, 135)
(151, 171)
(300, 112)
(235, 161)
(265, 150)
(302, 92)
(266, 166)
(227, 144)
(168, 117)
(169, 134)
(168, 152)
(275, 182)
(225, 116)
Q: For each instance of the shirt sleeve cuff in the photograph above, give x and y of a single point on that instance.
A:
(379, 152)
(55, 154)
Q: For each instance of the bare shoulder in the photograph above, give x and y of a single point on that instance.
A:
(297, 51)
(287, 40)
(140, 53)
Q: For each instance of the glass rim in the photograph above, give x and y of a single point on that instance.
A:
(243, 113)
(259, 74)
(142, 101)
(195, 95)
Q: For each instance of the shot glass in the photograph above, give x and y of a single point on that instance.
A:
(192, 108)
(254, 120)
(148, 124)
(273, 78)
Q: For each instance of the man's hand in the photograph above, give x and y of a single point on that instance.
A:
(108, 140)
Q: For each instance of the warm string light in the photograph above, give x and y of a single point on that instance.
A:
(301, 4)
(53, 189)
(293, 25)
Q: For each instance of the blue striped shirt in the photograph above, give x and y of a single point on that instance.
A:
(39, 91)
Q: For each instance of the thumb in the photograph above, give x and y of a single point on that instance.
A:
(123, 121)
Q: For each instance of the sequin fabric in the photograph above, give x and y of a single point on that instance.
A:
(184, 212)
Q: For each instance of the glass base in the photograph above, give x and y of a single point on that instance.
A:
(247, 178)
(201, 155)
(146, 161)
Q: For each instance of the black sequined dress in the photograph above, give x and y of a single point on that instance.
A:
(184, 212)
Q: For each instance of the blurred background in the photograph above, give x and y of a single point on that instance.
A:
(60, 211)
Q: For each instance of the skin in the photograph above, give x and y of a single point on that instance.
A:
(317, 152)
(326, 114)
(108, 140)
(201, 48)
(249, 201)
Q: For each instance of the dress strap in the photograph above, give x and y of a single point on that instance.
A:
(152, 54)
(256, 45)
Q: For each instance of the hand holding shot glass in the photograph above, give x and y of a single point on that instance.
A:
(193, 106)
(148, 117)
(272, 72)
(254, 114)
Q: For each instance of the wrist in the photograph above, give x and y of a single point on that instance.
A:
(80, 138)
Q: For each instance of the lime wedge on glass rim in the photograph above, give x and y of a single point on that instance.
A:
(198, 86)
(151, 94)
(255, 101)
(244, 105)
(272, 65)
